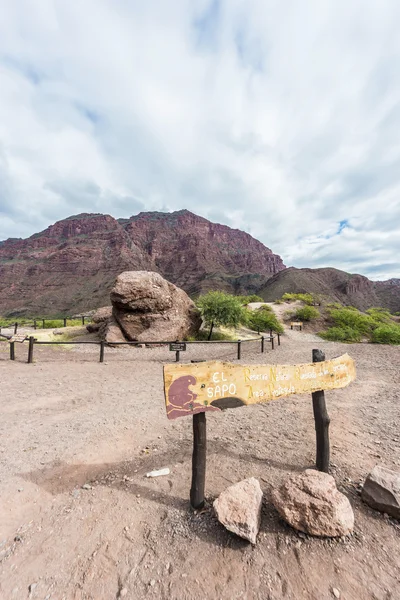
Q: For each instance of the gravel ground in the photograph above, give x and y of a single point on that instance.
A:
(68, 421)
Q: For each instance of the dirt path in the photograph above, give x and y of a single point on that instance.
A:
(67, 421)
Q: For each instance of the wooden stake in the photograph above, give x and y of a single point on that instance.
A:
(12, 350)
(262, 344)
(322, 421)
(272, 343)
(30, 349)
(65, 322)
(239, 352)
(198, 461)
(102, 351)
(15, 328)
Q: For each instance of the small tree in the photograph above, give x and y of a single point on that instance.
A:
(219, 308)
(265, 320)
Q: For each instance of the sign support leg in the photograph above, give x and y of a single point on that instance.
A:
(198, 461)
(322, 421)
(30, 349)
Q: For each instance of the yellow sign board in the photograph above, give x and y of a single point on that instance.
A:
(210, 386)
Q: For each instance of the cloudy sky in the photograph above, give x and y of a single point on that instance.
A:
(278, 117)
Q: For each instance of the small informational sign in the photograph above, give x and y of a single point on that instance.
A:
(177, 347)
(211, 386)
(19, 337)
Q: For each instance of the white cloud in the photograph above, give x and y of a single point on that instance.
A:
(281, 118)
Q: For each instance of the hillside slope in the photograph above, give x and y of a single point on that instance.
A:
(336, 285)
(71, 266)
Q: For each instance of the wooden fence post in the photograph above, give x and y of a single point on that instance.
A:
(272, 343)
(279, 339)
(12, 350)
(34, 324)
(65, 322)
(102, 351)
(239, 349)
(322, 421)
(15, 328)
(198, 461)
(262, 344)
(83, 320)
(30, 349)
(43, 323)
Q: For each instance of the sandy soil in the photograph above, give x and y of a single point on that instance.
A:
(68, 421)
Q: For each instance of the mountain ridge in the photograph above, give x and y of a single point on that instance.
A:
(71, 265)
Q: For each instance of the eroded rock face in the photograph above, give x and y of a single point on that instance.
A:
(311, 503)
(149, 308)
(381, 491)
(238, 508)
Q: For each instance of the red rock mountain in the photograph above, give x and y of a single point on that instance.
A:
(72, 265)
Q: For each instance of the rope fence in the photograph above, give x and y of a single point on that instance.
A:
(175, 346)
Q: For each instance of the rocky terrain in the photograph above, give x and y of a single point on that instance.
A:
(336, 285)
(72, 265)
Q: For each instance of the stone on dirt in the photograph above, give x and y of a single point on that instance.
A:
(238, 508)
(147, 307)
(310, 502)
(381, 490)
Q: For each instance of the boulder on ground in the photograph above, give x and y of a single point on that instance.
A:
(311, 503)
(149, 308)
(381, 490)
(102, 314)
(238, 508)
(110, 332)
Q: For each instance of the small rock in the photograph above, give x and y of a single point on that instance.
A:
(381, 491)
(86, 486)
(311, 502)
(123, 593)
(32, 587)
(336, 592)
(238, 508)
(153, 582)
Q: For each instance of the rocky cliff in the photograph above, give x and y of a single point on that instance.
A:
(72, 265)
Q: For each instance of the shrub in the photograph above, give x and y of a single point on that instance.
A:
(386, 334)
(341, 334)
(347, 317)
(263, 320)
(251, 298)
(307, 313)
(306, 298)
(278, 301)
(380, 315)
(219, 308)
(202, 336)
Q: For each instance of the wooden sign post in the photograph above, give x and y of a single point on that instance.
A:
(196, 388)
(177, 347)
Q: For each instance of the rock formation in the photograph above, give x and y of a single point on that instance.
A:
(311, 503)
(238, 508)
(149, 308)
(381, 491)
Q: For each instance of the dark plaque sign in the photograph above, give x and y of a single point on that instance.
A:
(177, 346)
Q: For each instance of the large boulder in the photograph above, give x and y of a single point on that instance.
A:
(149, 308)
(311, 503)
(381, 491)
(238, 508)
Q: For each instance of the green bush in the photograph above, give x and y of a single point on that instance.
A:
(386, 334)
(381, 315)
(278, 301)
(341, 334)
(263, 320)
(247, 299)
(265, 308)
(347, 317)
(219, 308)
(307, 313)
(306, 298)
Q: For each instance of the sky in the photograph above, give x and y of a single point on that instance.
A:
(278, 117)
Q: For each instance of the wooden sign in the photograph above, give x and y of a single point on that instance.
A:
(211, 386)
(177, 346)
(19, 337)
